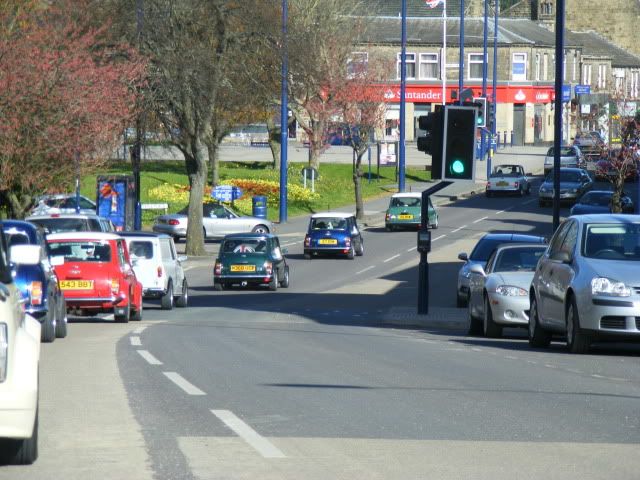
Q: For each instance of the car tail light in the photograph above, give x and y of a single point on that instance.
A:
(159, 270)
(488, 184)
(115, 285)
(4, 344)
(517, 184)
(347, 241)
(268, 267)
(387, 216)
(35, 290)
(307, 241)
(218, 268)
(173, 221)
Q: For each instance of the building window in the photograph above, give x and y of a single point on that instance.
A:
(519, 66)
(537, 67)
(575, 67)
(586, 74)
(476, 60)
(564, 68)
(429, 66)
(545, 67)
(602, 76)
(357, 64)
(410, 65)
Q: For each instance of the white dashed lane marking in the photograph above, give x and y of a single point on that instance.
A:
(458, 229)
(480, 219)
(263, 446)
(391, 258)
(188, 388)
(139, 330)
(149, 358)
(438, 238)
(135, 341)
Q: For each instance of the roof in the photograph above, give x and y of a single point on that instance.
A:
(20, 224)
(332, 215)
(615, 218)
(83, 236)
(407, 195)
(520, 245)
(594, 45)
(63, 215)
(514, 237)
(232, 236)
(140, 234)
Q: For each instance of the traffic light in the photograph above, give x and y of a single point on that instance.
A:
(481, 104)
(431, 143)
(459, 145)
(491, 115)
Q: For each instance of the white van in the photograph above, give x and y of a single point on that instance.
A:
(158, 267)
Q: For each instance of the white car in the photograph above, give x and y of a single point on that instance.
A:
(158, 267)
(19, 360)
(63, 203)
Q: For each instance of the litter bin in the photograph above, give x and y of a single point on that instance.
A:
(259, 206)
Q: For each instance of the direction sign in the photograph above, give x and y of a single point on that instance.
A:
(566, 93)
(582, 89)
(226, 193)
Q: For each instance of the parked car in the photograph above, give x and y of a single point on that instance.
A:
(508, 179)
(574, 182)
(253, 259)
(333, 233)
(586, 284)
(217, 221)
(499, 293)
(599, 201)
(481, 253)
(63, 203)
(158, 267)
(96, 274)
(571, 156)
(405, 211)
(606, 169)
(590, 145)
(19, 360)
(72, 222)
(35, 277)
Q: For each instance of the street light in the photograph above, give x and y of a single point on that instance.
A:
(284, 126)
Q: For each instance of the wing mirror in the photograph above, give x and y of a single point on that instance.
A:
(284, 251)
(475, 268)
(182, 258)
(463, 256)
(134, 262)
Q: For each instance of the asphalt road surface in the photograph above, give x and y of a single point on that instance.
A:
(311, 382)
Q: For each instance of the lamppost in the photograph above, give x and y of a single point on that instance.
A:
(137, 148)
(284, 125)
(557, 134)
(403, 88)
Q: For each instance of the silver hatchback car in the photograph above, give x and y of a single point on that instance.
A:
(587, 285)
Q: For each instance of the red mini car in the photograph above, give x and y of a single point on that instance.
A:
(96, 274)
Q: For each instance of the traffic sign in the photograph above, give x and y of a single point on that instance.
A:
(566, 93)
(582, 89)
(226, 193)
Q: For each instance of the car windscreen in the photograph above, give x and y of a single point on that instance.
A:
(16, 238)
(522, 259)
(600, 199)
(329, 223)
(483, 249)
(141, 249)
(506, 172)
(612, 241)
(244, 245)
(568, 177)
(564, 152)
(56, 225)
(81, 251)
(405, 202)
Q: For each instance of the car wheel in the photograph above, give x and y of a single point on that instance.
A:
(475, 324)
(387, 228)
(136, 314)
(490, 327)
(166, 301)
(521, 191)
(529, 189)
(260, 229)
(61, 321)
(48, 330)
(577, 342)
(461, 302)
(273, 284)
(285, 279)
(360, 251)
(21, 452)
(538, 337)
(434, 226)
(352, 254)
(183, 299)
(124, 318)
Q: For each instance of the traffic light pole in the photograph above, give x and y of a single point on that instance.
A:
(424, 246)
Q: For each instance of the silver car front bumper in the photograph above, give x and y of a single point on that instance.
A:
(616, 317)
(509, 310)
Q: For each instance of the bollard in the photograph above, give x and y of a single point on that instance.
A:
(512, 138)
(504, 143)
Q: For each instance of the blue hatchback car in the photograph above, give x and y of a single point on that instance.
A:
(38, 283)
(333, 233)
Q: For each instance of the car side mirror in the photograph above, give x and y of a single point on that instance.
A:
(134, 262)
(561, 256)
(475, 268)
(463, 256)
(284, 251)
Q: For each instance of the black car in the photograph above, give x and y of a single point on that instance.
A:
(574, 182)
(599, 201)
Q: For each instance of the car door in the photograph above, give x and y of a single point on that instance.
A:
(544, 274)
(560, 276)
(169, 261)
(125, 267)
(476, 287)
(278, 259)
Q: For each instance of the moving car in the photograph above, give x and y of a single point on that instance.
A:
(570, 157)
(158, 267)
(508, 179)
(573, 183)
(96, 275)
(72, 222)
(63, 203)
(35, 277)
(599, 201)
(586, 284)
(589, 144)
(333, 233)
(19, 360)
(405, 210)
(499, 293)
(217, 221)
(481, 253)
(251, 259)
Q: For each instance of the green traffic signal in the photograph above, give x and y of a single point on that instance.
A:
(457, 167)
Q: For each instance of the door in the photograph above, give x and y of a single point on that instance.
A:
(560, 277)
(147, 261)
(518, 124)
(544, 276)
(169, 260)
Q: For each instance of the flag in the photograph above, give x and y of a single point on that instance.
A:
(434, 3)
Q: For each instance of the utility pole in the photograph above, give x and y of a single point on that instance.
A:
(494, 84)
(403, 88)
(136, 153)
(284, 119)
(461, 60)
(485, 32)
(557, 114)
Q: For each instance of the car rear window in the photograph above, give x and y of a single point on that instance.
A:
(485, 247)
(81, 251)
(405, 202)
(141, 249)
(16, 238)
(56, 225)
(244, 245)
(329, 223)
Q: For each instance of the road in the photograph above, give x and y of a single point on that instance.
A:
(331, 379)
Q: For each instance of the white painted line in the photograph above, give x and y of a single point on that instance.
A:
(501, 211)
(412, 249)
(135, 341)
(139, 330)
(391, 258)
(183, 384)
(510, 357)
(365, 269)
(549, 366)
(263, 446)
(438, 238)
(480, 219)
(149, 358)
(529, 201)
(458, 229)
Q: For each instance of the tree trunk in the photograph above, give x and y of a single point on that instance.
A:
(357, 176)
(18, 205)
(212, 150)
(196, 164)
(618, 189)
(315, 145)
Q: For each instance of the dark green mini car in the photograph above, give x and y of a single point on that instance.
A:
(251, 259)
(405, 211)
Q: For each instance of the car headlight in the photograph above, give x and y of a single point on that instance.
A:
(466, 273)
(606, 286)
(511, 291)
(4, 348)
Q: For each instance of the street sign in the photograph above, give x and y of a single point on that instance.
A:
(226, 193)
(582, 89)
(566, 93)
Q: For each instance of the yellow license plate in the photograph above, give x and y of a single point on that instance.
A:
(328, 241)
(405, 217)
(76, 284)
(502, 184)
(243, 268)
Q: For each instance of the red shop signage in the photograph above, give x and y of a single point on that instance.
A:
(506, 93)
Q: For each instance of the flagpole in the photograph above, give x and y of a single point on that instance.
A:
(444, 53)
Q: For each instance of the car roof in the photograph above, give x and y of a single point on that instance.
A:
(83, 236)
(64, 215)
(232, 236)
(514, 237)
(504, 246)
(140, 234)
(20, 224)
(332, 215)
(407, 195)
(507, 165)
(614, 218)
